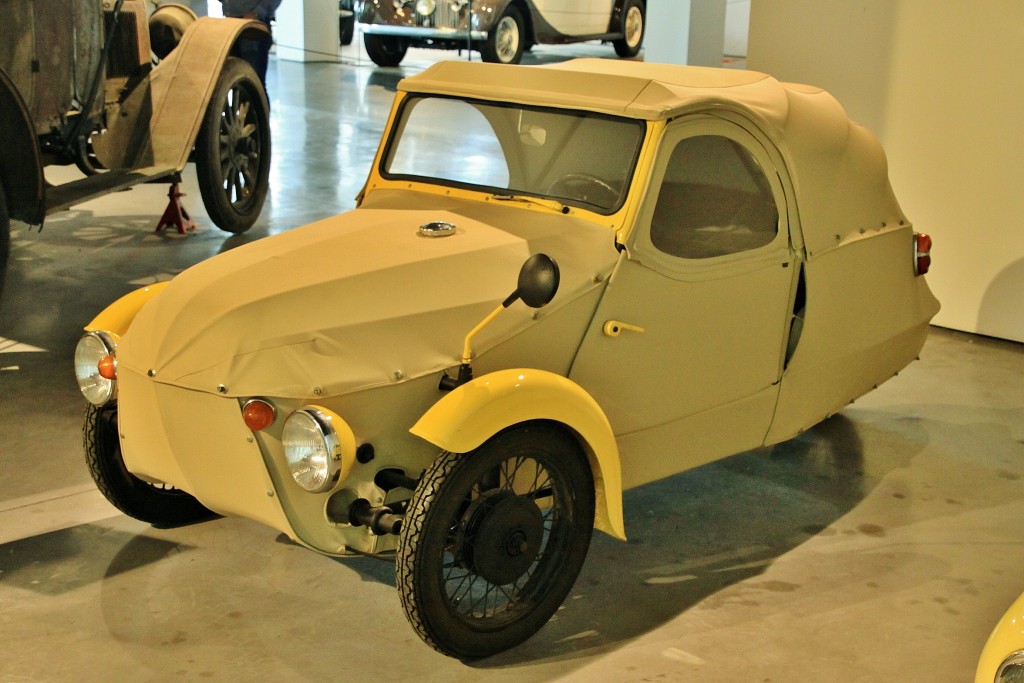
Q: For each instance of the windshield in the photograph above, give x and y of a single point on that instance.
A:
(576, 158)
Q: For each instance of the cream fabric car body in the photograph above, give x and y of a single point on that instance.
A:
(732, 267)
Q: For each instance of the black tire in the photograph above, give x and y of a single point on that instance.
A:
(347, 27)
(85, 157)
(634, 25)
(385, 50)
(482, 568)
(232, 151)
(5, 237)
(507, 38)
(158, 505)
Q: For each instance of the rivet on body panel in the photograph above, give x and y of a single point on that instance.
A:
(221, 389)
(318, 391)
(398, 375)
(151, 373)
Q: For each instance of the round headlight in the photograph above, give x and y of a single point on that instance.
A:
(425, 7)
(1012, 669)
(312, 449)
(92, 348)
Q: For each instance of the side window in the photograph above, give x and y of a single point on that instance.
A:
(714, 200)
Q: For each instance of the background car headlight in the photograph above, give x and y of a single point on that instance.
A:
(91, 349)
(312, 449)
(425, 7)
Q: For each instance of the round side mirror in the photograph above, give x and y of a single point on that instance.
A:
(538, 281)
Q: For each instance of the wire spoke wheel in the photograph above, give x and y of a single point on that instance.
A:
(233, 149)
(493, 540)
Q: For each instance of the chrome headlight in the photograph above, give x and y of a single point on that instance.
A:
(93, 348)
(425, 7)
(312, 449)
(1012, 669)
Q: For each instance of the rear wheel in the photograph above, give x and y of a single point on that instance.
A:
(633, 25)
(232, 151)
(385, 50)
(493, 540)
(507, 38)
(159, 505)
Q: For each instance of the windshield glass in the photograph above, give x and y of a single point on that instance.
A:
(576, 158)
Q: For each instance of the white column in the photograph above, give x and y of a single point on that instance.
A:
(685, 32)
(307, 30)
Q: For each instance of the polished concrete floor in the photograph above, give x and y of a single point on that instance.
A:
(880, 546)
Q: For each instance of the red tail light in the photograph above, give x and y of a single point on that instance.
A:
(922, 253)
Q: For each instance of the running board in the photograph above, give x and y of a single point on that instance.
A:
(63, 197)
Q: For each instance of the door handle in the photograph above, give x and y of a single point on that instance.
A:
(613, 328)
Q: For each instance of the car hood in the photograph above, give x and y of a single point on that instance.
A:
(358, 300)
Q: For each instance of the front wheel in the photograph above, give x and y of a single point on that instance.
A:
(232, 151)
(506, 40)
(385, 50)
(632, 29)
(493, 540)
(159, 505)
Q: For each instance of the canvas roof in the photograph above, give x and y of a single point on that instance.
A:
(837, 167)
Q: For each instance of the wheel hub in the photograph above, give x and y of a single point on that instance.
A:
(503, 536)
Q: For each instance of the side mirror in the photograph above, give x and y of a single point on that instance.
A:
(538, 283)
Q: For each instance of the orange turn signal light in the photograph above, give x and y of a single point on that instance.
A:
(107, 367)
(258, 414)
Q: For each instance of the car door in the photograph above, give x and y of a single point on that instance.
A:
(687, 345)
(576, 17)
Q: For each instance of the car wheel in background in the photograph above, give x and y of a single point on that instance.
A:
(232, 152)
(493, 540)
(507, 38)
(633, 26)
(346, 22)
(159, 505)
(385, 50)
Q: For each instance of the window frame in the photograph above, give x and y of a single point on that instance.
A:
(640, 243)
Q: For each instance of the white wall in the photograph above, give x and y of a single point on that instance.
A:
(940, 84)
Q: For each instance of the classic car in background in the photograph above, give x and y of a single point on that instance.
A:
(726, 266)
(1002, 660)
(129, 98)
(501, 30)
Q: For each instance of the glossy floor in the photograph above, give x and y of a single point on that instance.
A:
(880, 546)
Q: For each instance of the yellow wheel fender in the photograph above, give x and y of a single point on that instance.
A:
(477, 410)
(118, 316)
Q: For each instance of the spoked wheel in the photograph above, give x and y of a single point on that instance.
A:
(159, 505)
(385, 50)
(233, 149)
(632, 29)
(506, 40)
(493, 540)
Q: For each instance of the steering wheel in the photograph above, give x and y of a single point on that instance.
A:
(585, 188)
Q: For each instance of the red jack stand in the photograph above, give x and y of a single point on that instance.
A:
(175, 214)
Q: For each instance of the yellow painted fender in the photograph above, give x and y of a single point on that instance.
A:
(477, 410)
(118, 316)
